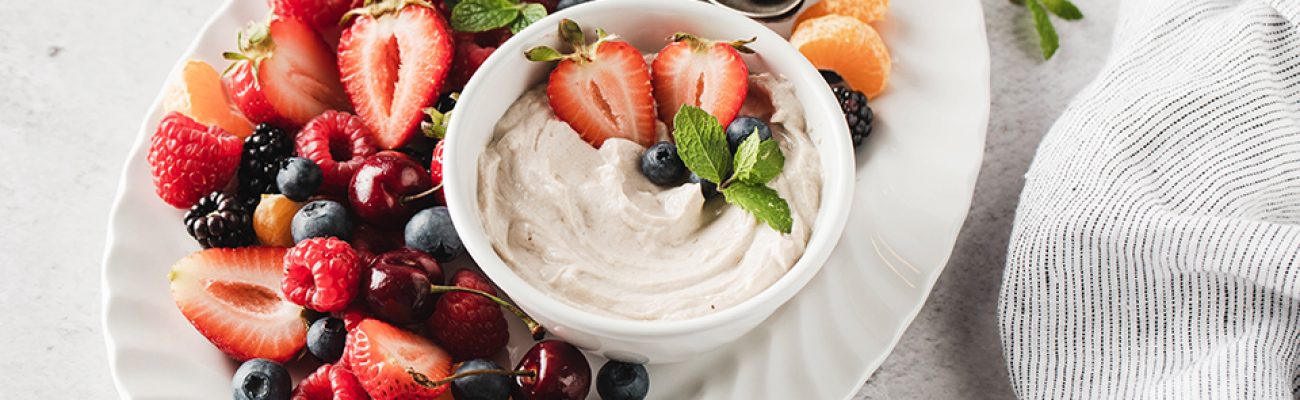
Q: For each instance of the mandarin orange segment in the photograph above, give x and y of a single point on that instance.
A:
(864, 10)
(848, 46)
(198, 93)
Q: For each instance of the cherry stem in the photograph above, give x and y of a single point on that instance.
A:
(421, 195)
(534, 328)
(424, 380)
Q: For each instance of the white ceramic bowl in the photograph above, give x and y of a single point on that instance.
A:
(647, 25)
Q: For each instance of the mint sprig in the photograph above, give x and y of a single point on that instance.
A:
(486, 15)
(763, 202)
(1048, 41)
(758, 160)
(702, 145)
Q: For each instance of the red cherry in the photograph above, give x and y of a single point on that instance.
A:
(396, 291)
(559, 372)
(388, 188)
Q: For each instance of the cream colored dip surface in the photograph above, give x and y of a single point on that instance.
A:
(585, 226)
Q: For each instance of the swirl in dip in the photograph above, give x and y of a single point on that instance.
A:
(585, 226)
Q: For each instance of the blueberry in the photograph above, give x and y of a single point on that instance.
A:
(563, 4)
(661, 164)
(480, 387)
(740, 128)
(431, 231)
(622, 381)
(707, 188)
(299, 179)
(325, 339)
(261, 379)
(321, 218)
(446, 102)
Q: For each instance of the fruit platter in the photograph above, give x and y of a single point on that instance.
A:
(493, 199)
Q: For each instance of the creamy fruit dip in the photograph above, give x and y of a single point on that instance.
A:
(585, 226)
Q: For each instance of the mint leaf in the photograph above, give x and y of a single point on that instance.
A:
(527, 16)
(702, 144)
(483, 15)
(758, 161)
(763, 202)
(1047, 39)
(1064, 9)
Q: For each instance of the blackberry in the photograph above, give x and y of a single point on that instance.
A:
(265, 151)
(832, 78)
(856, 112)
(220, 220)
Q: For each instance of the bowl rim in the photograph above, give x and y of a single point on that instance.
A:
(838, 177)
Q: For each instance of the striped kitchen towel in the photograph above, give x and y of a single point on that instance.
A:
(1156, 249)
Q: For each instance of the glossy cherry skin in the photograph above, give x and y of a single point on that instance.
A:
(380, 188)
(560, 372)
(397, 292)
(415, 259)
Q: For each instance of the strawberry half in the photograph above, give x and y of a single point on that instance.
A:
(383, 356)
(232, 297)
(393, 61)
(283, 74)
(702, 73)
(602, 90)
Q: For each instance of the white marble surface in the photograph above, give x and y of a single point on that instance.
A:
(76, 77)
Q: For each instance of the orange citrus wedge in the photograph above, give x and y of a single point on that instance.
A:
(198, 93)
(848, 46)
(864, 10)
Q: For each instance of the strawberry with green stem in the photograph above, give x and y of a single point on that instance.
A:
(602, 89)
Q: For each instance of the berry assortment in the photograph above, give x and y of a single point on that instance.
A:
(316, 195)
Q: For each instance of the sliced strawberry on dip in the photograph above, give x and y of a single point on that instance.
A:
(393, 61)
(702, 73)
(232, 297)
(387, 360)
(602, 89)
(283, 74)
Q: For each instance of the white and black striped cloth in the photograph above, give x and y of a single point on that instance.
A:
(1156, 249)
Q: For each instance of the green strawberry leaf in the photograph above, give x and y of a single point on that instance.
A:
(1047, 39)
(527, 16)
(761, 201)
(1064, 9)
(483, 15)
(702, 144)
(436, 126)
(758, 161)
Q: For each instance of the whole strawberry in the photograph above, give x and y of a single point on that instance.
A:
(322, 274)
(188, 160)
(468, 325)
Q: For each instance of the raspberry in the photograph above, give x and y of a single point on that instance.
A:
(188, 160)
(321, 273)
(337, 142)
(468, 325)
(353, 315)
(330, 382)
